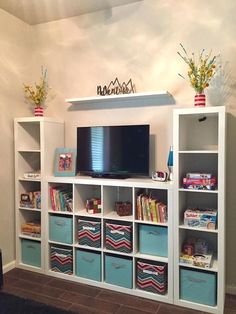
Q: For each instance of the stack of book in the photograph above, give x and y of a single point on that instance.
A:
(31, 229)
(149, 208)
(31, 199)
(61, 199)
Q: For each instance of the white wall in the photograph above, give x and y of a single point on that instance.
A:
(138, 41)
(15, 54)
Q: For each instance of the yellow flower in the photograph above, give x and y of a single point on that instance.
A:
(38, 93)
(200, 72)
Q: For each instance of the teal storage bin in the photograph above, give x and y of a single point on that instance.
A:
(88, 265)
(118, 271)
(60, 229)
(198, 286)
(153, 240)
(31, 252)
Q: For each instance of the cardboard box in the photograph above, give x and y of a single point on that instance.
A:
(200, 218)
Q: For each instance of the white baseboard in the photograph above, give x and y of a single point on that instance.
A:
(9, 266)
(231, 289)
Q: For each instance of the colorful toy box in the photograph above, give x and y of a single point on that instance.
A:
(200, 218)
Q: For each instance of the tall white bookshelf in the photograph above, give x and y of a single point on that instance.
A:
(199, 146)
(35, 143)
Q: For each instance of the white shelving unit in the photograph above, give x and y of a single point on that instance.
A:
(34, 151)
(132, 99)
(110, 191)
(199, 146)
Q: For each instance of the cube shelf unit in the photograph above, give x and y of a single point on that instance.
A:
(34, 153)
(90, 257)
(199, 146)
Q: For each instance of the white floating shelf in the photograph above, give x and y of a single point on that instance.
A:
(145, 99)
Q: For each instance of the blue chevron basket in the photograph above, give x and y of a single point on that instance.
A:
(61, 260)
(119, 237)
(152, 277)
(89, 233)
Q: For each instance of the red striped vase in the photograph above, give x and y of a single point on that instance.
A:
(38, 112)
(200, 100)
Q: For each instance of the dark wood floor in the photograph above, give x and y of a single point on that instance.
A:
(84, 299)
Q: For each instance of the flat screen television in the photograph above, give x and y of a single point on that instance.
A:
(113, 151)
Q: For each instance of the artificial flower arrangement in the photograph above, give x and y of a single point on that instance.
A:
(201, 69)
(38, 93)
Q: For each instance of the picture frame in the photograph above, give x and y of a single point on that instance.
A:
(65, 162)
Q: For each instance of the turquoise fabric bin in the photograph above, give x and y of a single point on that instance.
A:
(60, 229)
(31, 252)
(153, 240)
(118, 271)
(88, 265)
(198, 286)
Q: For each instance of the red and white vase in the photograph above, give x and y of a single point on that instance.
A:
(200, 100)
(38, 112)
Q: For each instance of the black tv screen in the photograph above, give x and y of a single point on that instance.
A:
(113, 151)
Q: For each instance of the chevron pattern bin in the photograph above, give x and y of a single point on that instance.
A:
(89, 233)
(61, 260)
(118, 237)
(152, 277)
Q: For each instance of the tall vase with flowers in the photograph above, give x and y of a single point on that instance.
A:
(37, 94)
(201, 70)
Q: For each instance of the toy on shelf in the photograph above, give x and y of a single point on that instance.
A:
(196, 252)
(199, 181)
(200, 218)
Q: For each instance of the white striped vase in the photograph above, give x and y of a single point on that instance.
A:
(200, 100)
(38, 112)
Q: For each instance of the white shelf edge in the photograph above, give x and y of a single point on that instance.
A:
(198, 191)
(84, 213)
(213, 269)
(87, 247)
(113, 215)
(213, 151)
(161, 224)
(28, 150)
(38, 119)
(29, 179)
(23, 236)
(115, 98)
(59, 212)
(30, 209)
(198, 229)
(117, 252)
(151, 257)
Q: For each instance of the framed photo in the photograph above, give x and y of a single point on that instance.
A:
(65, 162)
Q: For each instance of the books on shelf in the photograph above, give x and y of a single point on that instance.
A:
(61, 199)
(31, 229)
(149, 208)
(31, 199)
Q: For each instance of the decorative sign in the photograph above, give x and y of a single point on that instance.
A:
(116, 88)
